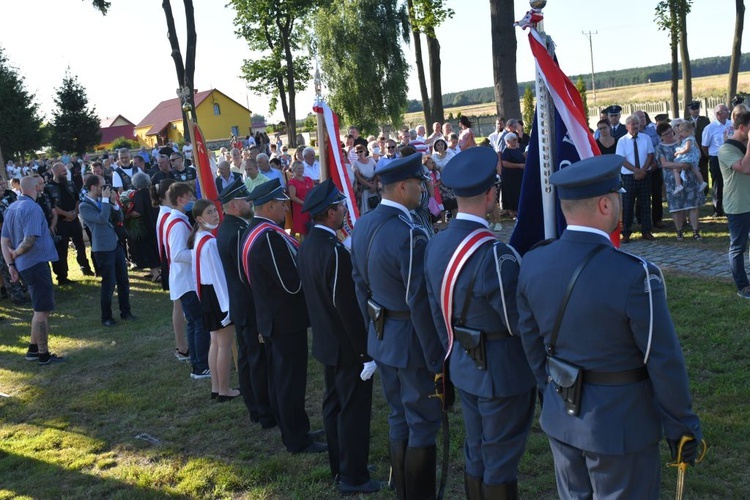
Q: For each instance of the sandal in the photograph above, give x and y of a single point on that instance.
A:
(679, 235)
(156, 279)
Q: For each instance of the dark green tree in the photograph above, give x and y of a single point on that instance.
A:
(362, 64)
(279, 30)
(75, 126)
(528, 108)
(20, 123)
(102, 5)
(581, 87)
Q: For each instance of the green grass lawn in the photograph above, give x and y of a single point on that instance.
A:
(69, 430)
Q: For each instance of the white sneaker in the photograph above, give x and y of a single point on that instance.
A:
(201, 375)
(703, 186)
(677, 189)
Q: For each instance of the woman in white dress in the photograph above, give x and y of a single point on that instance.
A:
(366, 181)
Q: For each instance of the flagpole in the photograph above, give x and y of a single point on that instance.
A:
(321, 127)
(545, 120)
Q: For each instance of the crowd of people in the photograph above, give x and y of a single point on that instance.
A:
(265, 261)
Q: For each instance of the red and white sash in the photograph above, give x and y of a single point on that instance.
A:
(463, 252)
(205, 238)
(169, 229)
(159, 234)
(255, 234)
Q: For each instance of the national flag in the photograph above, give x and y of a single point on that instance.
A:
(573, 141)
(204, 168)
(337, 171)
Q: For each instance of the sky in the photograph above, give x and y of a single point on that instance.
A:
(123, 59)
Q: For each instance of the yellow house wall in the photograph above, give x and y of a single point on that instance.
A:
(220, 127)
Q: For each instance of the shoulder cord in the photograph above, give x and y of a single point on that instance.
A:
(411, 259)
(273, 259)
(500, 282)
(650, 309)
(335, 273)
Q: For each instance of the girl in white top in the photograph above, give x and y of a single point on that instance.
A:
(211, 286)
(159, 194)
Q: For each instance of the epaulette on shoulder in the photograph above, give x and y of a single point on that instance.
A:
(542, 243)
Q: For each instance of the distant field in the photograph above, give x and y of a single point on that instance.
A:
(707, 86)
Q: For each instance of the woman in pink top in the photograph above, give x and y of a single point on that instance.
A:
(466, 137)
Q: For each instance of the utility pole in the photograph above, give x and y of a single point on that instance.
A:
(591, 51)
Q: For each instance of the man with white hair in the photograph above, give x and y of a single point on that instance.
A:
(312, 167)
(236, 165)
(264, 166)
(225, 176)
(638, 152)
(713, 138)
(124, 170)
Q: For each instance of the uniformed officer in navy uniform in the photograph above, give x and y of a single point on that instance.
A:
(618, 129)
(339, 340)
(252, 369)
(616, 333)
(281, 314)
(388, 254)
(487, 361)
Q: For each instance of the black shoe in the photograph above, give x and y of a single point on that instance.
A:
(49, 358)
(109, 322)
(224, 399)
(64, 281)
(267, 423)
(370, 486)
(214, 395)
(314, 447)
(314, 435)
(87, 272)
(128, 317)
(4, 293)
(32, 356)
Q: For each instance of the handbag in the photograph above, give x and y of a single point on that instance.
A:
(433, 206)
(373, 201)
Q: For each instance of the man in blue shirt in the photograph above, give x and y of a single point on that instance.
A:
(28, 248)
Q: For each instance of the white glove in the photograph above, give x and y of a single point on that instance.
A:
(368, 370)
(226, 320)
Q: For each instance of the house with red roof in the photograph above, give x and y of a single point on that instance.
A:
(113, 128)
(218, 115)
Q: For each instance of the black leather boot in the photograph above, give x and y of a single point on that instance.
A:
(505, 491)
(397, 479)
(420, 473)
(473, 487)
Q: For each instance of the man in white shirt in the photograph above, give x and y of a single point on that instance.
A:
(187, 152)
(181, 285)
(123, 172)
(312, 167)
(713, 138)
(638, 151)
(495, 137)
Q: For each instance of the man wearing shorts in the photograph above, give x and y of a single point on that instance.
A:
(27, 249)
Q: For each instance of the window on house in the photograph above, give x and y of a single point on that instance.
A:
(217, 109)
(235, 130)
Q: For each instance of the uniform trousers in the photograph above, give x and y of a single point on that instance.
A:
(346, 418)
(287, 380)
(252, 372)
(414, 417)
(717, 185)
(636, 191)
(199, 340)
(496, 433)
(68, 231)
(583, 475)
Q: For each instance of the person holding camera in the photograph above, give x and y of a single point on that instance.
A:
(100, 211)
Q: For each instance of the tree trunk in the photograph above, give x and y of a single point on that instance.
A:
(291, 124)
(734, 65)
(673, 43)
(687, 78)
(420, 67)
(433, 50)
(192, 38)
(291, 137)
(176, 56)
(504, 58)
